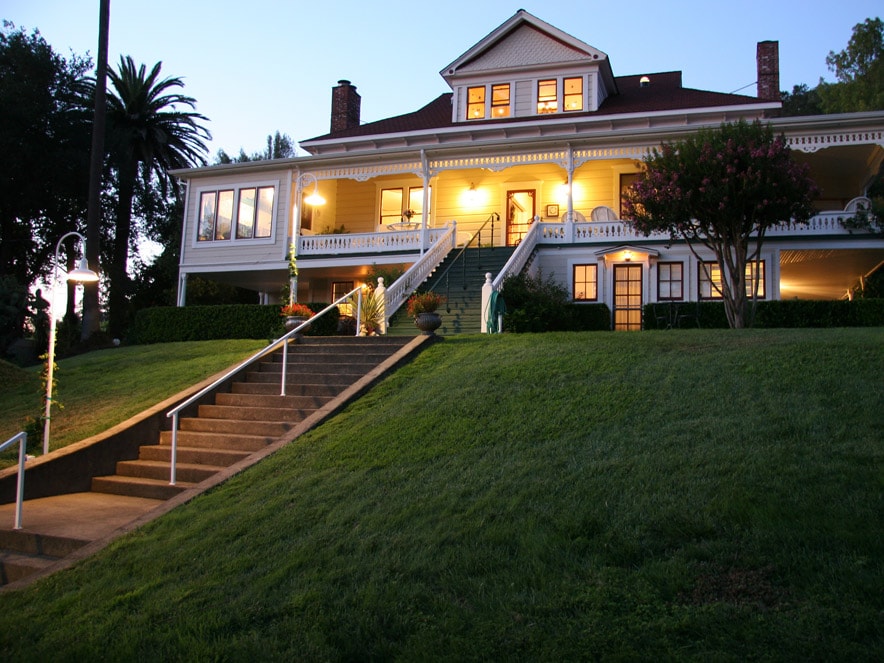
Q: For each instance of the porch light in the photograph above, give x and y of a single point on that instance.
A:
(472, 197)
(313, 198)
(627, 256)
(82, 274)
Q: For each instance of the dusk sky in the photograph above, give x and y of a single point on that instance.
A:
(261, 66)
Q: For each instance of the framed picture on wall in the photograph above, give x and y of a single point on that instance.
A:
(552, 210)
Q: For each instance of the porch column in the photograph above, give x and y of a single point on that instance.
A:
(381, 294)
(569, 168)
(425, 176)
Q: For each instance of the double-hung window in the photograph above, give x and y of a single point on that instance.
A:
(670, 281)
(585, 283)
(477, 98)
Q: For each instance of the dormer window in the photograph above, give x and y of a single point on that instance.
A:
(500, 101)
(548, 95)
(476, 103)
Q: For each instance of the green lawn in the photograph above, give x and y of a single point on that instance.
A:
(681, 495)
(101, 389)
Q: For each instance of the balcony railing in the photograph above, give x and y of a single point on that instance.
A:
(360, 243)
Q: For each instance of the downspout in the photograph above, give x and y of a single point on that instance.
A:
(182, 278)
(425, 175)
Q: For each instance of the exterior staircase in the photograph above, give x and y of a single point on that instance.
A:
(460, 278)
(242, 421)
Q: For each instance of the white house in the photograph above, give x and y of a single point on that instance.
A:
(534, 145)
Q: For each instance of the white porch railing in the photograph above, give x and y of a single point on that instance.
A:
(520, 256)
(359, 243)
(22, 439)
(401, 289)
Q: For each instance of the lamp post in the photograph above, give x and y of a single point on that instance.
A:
(82, 274)
(313, 200)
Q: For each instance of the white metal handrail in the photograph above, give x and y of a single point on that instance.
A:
(282, 340)
(402, 288)
(22, 439)
(520, 256)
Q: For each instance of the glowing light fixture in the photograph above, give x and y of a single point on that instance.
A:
(82, 274)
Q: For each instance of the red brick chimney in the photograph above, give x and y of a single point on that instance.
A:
(768, 60)
(345, 106)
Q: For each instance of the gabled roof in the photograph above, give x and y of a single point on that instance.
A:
(664, 92)
(524, 40)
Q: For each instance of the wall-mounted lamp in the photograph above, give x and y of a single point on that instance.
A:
(627, 256)
(313, 198)
(472, 197)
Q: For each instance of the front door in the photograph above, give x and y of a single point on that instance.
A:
(519, 214)
(627, 297)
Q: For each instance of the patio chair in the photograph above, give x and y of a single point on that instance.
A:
(687, 312)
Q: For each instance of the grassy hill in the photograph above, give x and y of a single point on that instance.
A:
(706, 495)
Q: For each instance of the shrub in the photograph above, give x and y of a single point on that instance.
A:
(535, 304)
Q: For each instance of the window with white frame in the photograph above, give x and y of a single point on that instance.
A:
(585, 283)
(402, 204)
(551, 90)
(709, 279)
(253, 217)
(670, 281)
(477, 97)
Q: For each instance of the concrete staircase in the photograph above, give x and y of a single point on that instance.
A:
(460, 278)
(245, 419)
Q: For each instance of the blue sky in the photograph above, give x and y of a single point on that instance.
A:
(261, 66)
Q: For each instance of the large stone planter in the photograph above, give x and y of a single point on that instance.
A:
(428, 323)
(293, 321)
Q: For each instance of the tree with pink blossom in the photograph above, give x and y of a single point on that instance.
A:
(721, 190)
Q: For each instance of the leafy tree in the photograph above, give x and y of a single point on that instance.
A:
(279, 146)
(801, 101)
(722, 189)
(859, 69)
(44, 143)
(147, 136)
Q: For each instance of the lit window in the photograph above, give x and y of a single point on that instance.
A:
(585, 282)
(500, 100)
(710, 280)
(393, 208)
(208, 203)
(255, 217)
(669, 280)
(476, 103)
(547, 96)
(573, 94)
(339, 289)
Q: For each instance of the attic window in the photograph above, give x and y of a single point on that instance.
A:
(644, 81)
(476, 103)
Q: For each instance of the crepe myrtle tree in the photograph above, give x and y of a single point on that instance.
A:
(722, 189)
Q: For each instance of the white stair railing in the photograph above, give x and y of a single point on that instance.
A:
(281, 341)
(22, 439)
(397, 293)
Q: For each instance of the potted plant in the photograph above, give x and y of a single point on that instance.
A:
(295, 314)
(372, 313)
(422, 307)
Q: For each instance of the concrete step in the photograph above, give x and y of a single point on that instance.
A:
(32, 543)
(15, 566)
(294, 378)
(157, 469)
(290, 415)
(157, 489)
(301, 366)
(274, 401)
(272, 429)
(321, 390)
(195, 455)
(199, 440)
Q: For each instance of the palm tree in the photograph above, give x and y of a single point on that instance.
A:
(148, 135)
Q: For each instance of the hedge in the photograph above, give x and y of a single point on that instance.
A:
(166, 324)
(770, 314)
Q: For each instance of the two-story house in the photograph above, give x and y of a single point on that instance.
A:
(533, 146)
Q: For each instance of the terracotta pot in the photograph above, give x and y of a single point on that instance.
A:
(428, 323)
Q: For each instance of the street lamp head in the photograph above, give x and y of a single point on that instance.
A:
(82, 273)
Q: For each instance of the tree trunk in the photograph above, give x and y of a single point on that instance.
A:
(117, 302)
(91, 306)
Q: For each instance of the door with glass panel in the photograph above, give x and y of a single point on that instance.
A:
(519, 214)
(627, 297)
